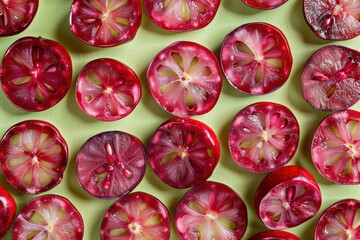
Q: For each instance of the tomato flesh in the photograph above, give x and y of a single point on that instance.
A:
(7, 211)
(264, 4)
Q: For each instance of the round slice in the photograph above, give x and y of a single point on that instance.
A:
(111, 164)
(36, 73)
(333, 20)
(183, 152)
(136, 216)
(263, 136)
(256, 58)
(107, 90)
(48, 217)
(16, 16)
(274, 235)
(105, 23)
(287, 197)
(33, 156)
(7, 211)
(339, 221)
(330, 80)
(181, 15)
(264, 4)
(211, 211)
(185, 79)
(335, 148)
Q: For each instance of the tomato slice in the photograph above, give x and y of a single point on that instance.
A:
(264, 4)
(185, 79)
(7, 211)
(274, 235)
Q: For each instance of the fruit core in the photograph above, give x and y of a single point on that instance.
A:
(135, 228)
(329, 19)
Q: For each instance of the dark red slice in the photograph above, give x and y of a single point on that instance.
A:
(339, 221)
(287, 197)
(111, 164)
(185, 79)
(107, 90)
(274, 235)
(33, 156)
(16, 16)
(330, 80)
(211, 211)
(335, 148)
(136, 216)
(181, 15)
(183, 152)
(256, 58)
(48, 217)
(264, 4)
(7, 211)
(263, 136)
(36, 73)
(333, 19)
(105, 23)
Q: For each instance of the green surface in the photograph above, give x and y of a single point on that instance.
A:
(51, 22)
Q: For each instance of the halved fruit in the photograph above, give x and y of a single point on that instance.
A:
(264, 4)
(36, 73)
(136, 216)
(107, 90)
(274, 235)
(105, 23)
(333, 20)
(339, 221)
(7, 211)
(181, 15)
(183, 152)
(287, 197)
(33, 156)
(211, 211)
(330, 80)
(48, 217)
(335, 148)
(185, 79)
(111, 164)
(256, 58)
(263, 136)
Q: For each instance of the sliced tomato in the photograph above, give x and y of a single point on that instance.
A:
(7, 211)
(274, 235)
(264, 4)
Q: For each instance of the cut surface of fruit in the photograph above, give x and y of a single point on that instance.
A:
(107, 90)
(330, 80)
(211, 211)
(36, 73)
(181, 15)
(183, 152)
(339, 221)
(111, 164)
(264, 4)
(256, 58)
(263, 136)
(274, 235)
(335, 147)
(16, 15)
(185, 79)
(333, 20)
(136, 216)
(7, 211)
(287, 197)
(48, 217)
(33, 156)
(105, 23)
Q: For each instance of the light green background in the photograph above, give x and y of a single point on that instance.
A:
(51, 22)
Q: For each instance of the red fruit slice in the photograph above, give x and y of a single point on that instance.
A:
(136, 216)
(48, 217)
(111, 164)
(287, 197)
(263, 137)
(16, 16)
(183, 152)
(183, 15)
(264, 4)
(105, 23)
(36, 73)
(33, 156)
(339, 221)
(185, 79)
(256, 58)
(333, 20)
(335, 148)
(211, 211)
(330, 78)
(7, 211)
(274, 235)
(107, 90)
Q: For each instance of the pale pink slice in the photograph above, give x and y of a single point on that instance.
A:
(264, 4)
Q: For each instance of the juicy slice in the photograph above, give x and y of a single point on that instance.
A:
(274, 235)
(136, 216)
(211, 211)
(7, 211)
(264, 4)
